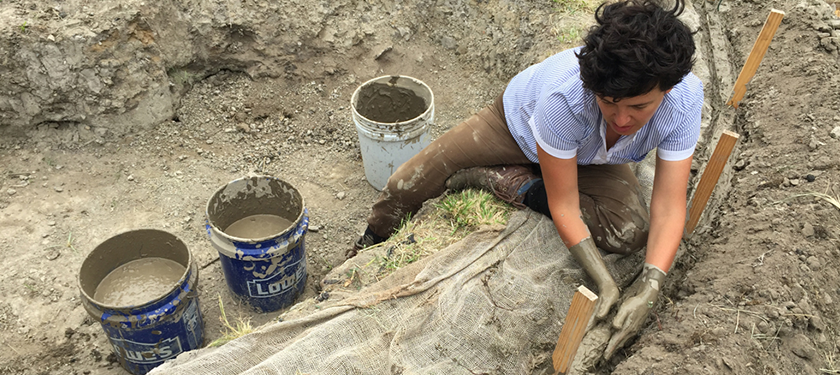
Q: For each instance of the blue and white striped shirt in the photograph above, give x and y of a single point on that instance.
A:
(547, 104)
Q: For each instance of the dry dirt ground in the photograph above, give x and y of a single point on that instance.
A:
(753, 294)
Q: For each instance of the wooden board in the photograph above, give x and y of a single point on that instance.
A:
(756, 55)
(580, 312)
(710, 178)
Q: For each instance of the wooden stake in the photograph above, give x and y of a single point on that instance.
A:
(580, 312)
(756, 55)
(710, 178)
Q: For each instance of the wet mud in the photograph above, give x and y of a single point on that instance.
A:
(258, 226)
(388, 104)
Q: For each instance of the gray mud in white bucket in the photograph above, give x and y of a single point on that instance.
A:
(392, 116)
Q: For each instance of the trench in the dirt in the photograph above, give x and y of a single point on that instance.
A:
(718, 64)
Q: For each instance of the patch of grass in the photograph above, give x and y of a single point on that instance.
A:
(182, 77)
(453, 218)
(571, 20)
(405, 254)
(23, 26)
(570, 35)
(242, 328)
(470, 209)
(573, 6)
(70, 243)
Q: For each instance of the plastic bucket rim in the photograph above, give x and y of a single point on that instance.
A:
(216, 229)
(155, 313)
(429, 106)
(183, 279)
(390, 136)
(259, 253)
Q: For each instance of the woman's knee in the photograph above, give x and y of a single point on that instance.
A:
(626, 240)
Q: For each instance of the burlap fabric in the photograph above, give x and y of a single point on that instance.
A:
(492, 303)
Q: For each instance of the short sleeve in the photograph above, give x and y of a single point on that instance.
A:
(555, 127)
(680, 143)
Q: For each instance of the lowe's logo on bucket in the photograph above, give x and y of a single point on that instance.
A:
(277, 284)
(144, 353)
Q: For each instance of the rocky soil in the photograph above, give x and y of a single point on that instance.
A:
(755, 292)
(125, 115)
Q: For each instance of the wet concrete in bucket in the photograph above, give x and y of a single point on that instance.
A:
(139, 281)
(258, 226)
(388, 104)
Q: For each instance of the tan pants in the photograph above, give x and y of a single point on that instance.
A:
(610, 197)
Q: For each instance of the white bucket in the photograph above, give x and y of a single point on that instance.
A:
(391, 132)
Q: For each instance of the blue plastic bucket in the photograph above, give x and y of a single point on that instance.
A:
(144, 336)
(266, 273)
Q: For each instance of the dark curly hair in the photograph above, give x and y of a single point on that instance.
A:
(636, 45)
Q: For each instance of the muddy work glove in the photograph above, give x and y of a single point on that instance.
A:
(634, 311)
(588, 256)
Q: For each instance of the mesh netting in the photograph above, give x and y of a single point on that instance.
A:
(491, 303)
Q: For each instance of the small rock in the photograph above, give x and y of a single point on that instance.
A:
(314, 228)
(763, 326)
(827, 299)
(729, 363)
(341, 195)
(11, 191)
(59, 189)
(323, 296)
(51, 223)
(810, 178)
(243, 127)
(814, 263)
(801, 346)
(807, 230)
(384, 51)
(209, 141)
(131, 177)
(817, 323)
(794, 182)
(835, 133)
(53, 254)
(804, 268)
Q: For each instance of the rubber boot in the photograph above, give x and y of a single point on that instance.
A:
(588, 256)
(509, 183)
